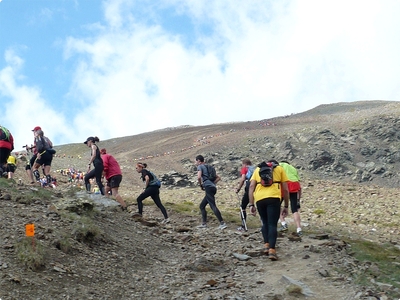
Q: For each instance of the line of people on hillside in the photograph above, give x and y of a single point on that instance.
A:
(106, 165)
(262, 194)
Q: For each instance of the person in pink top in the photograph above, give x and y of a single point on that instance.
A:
(112, 173)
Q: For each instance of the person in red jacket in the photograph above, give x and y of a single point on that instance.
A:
(112, 173)
(6, 146)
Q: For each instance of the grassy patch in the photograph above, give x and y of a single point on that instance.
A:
(377, 260)
(84, 228)
(33, 195)
(319, 211)
(185, 207)
(5, 183)
(63, 243)
(30, 253)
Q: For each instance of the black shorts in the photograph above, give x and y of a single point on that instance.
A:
(45, 159)
(114, 181)
(4, 154)
(11, 168)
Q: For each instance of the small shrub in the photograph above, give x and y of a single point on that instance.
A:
(294, 289)
(63, 244)
(30, 253)
(84, 230)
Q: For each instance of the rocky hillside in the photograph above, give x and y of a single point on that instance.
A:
(355, 142)
(86, 248)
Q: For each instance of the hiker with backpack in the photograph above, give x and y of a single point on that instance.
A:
(294, 196)
(44, 155)
(265, 197)
(6, 146)
(152, 189)
(245, 174)
(112, 173)
(95, 158)
(207, 179)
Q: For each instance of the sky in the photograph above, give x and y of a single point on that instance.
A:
(115, 68)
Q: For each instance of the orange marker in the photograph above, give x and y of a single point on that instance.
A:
(30, 229)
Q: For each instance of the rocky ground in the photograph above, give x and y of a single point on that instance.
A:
(133, 258)
(93, 250)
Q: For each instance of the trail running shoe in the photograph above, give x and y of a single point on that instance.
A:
(283, 228)
(222, 226)
(165, 221)
(300, 233)
(266, 249)
(272, 254)
(241, 228)
(202, 226)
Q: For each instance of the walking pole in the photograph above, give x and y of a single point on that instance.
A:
(244, 225)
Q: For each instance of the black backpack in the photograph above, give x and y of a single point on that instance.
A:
(212, 174)
(266, 172)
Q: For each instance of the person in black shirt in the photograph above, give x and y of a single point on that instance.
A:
(152, 189)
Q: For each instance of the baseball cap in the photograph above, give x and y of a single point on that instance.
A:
(37, 128)
(90, 138)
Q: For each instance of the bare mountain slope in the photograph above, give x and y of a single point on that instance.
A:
(356, 142)
(348, 159)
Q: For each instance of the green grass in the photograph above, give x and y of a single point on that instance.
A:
(319, 211)
(8, 184)
(35, 194)
(231, 215)
(379, 259)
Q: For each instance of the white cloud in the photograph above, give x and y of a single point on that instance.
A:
(247, 60)
(26, 108)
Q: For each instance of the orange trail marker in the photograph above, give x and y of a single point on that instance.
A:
(30, 229)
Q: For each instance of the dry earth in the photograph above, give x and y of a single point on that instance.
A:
(133, 259)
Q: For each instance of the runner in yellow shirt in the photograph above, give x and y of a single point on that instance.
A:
(11, 166)
(265, 196)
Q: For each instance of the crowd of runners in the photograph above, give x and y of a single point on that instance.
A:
(266, 186)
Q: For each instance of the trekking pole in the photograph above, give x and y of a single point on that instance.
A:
(244, 225)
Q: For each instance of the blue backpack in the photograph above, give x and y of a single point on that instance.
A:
(155, 181)
(250, 170)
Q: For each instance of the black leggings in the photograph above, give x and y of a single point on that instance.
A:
(269, 210)
(210, 199)
(153, 192)
(96, 172)
(4, 154)
(245, 199)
